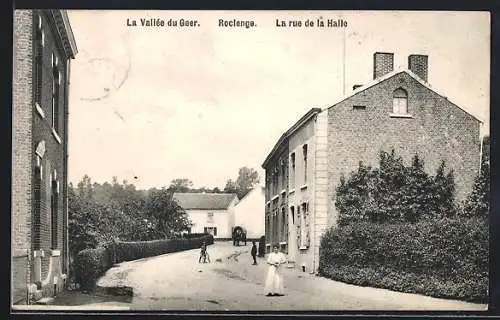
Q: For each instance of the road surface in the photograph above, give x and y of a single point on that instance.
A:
(230, 282)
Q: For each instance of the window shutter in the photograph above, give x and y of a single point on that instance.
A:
(299, 226)
(307, 240)
(39, 68)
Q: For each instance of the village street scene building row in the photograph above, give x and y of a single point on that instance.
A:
(398, 110)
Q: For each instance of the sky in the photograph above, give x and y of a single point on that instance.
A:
(152, 104)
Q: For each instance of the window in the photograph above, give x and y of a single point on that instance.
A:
(210, 217)
(292, 166)
(283, 173)
(292, 214)
(38, 64)
(299, 226)
(304, 226)
(37, 203)
(268, 227)
(275, 180)
(56, 82)
(359, 107)
(275, 225)
(268, 185)
(304, 153)
(54, 209)
(284, 222)
(400, 101)
(210, 230)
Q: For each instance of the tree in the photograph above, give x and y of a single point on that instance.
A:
(247, 179)
(395, 192)
(388, 188)
(417, 194)
(353, 194)
(170, 217)
(443, 191)
(231, 187)
(180, 185)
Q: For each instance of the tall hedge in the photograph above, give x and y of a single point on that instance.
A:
(395, 192)
(439, 257)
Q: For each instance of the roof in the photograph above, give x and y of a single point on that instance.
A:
(63, 27)
(289, 132)
(314, 111)
(390, 75)
(204, 201)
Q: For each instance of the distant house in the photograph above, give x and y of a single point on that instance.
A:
(212, 213)
(249, 213)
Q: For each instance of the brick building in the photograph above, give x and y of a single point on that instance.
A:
(397, 110)
(43, 46)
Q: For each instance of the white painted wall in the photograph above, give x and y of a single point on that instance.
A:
(222, 219)
(249, 213)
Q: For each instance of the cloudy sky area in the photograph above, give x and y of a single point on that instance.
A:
(199, 103)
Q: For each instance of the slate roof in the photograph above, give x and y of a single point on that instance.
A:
(204, 201)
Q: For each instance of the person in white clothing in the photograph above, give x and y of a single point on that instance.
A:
(274, 282)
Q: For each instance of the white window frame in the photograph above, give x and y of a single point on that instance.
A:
(400, 102)
(304, 226)
(305, 155)
(55, 65)
(38, 107)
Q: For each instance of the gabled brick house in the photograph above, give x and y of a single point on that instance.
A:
(43, 47)
(397, 110)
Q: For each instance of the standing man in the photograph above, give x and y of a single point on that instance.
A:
(254, 252)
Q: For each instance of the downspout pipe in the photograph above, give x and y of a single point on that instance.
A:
(66, 135)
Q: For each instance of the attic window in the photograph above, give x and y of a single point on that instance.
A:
(359, 107)
(400, 101)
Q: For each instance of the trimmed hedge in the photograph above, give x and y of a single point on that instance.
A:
(126, 251)
(90, 264)
(445, 258)
(194, 235)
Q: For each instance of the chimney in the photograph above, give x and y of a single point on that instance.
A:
(354, 87)
(383, 63)
(417, 63)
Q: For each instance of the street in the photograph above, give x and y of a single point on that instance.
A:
(177, 281)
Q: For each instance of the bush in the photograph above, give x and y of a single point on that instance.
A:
(440, 257)
(90, 264)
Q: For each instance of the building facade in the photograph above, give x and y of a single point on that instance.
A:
(276, 195)
(397, 110)
(249, 213)
(211, 213)
(43, 47)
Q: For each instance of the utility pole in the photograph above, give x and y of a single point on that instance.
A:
(343, 59)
